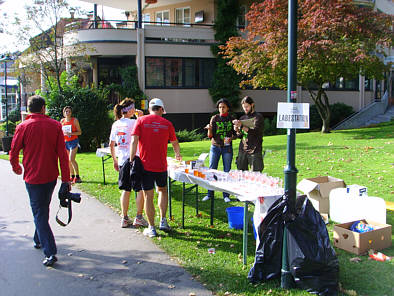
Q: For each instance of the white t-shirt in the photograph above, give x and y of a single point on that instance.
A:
(121, 135)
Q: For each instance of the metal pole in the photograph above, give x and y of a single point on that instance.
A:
(6, 99)
(139, 14)
(290, 171)
(95, 25)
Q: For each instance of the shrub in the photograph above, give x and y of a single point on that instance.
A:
(14, 115)
(270, 128)
(11, 127)
(89, 106)
(189, 136)
(339, 112)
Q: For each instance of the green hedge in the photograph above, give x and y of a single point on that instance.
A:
(90, 107)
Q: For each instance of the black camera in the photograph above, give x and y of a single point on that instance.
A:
(69, 196)
(66, 197)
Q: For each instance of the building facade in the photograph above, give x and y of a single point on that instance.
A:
(169, 41)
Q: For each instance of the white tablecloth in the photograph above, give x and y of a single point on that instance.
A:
(244, 191)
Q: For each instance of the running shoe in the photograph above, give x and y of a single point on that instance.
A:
(140, 222)
(150, 231)
(164, 225)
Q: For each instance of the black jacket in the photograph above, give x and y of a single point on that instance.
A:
(130, 175)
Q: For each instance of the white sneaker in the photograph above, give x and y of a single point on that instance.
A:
(164, 225)
(206, 197)
(227, 199)
(150, 231)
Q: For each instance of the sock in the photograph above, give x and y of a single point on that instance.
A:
(73, 176)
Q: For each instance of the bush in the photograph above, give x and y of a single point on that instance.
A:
(189, 136)
(89, 106)
(339, 112)
(270, 128)
(11, 127)
(14, 115)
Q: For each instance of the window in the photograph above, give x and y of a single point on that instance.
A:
(340, 84)
(179, 72)
(108, 68)
(154, 72)
(183, 15)
(241, 20)
(173, 70)
(162, 18)
(145, 19)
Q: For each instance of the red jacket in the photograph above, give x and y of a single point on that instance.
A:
(42, 141)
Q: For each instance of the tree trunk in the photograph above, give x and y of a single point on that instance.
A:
(323, 108)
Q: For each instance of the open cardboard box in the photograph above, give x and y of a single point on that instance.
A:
(318, 191)
(360, 243)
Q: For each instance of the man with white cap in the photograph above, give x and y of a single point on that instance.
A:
(151, 134)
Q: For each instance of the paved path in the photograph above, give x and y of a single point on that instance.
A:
(96, 256)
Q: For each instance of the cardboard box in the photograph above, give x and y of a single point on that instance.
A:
(318, 191)
(360, 243)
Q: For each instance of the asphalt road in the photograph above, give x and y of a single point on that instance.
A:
(96, 256)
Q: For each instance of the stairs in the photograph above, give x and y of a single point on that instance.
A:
(387, 116)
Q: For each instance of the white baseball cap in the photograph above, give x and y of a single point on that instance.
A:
(156, 102)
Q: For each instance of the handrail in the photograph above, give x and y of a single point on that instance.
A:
(107, 24)
(385, 97)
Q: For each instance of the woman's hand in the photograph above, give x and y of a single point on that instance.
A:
(138, 113)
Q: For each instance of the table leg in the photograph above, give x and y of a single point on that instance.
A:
(169, 197)
(102, 162)
(212, 209)
(197, 200)
(245, 234)
(183, 204)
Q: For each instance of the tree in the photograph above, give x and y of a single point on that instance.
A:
(225, 79)
(335, 39)
(43, 30)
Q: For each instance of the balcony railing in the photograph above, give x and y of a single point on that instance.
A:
(121, 24)
(104, 31)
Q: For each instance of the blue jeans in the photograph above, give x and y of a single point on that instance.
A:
(40, 198)
(227, 157)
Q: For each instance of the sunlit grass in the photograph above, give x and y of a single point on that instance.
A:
(362, 156)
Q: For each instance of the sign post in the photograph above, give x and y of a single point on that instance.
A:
(290, 171)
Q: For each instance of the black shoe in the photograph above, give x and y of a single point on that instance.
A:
(49, 261)
(37, 246)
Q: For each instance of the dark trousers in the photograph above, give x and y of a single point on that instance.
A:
(40, 198)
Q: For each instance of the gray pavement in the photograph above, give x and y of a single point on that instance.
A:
(96, 256)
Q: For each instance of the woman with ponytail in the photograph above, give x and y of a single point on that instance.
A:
(121, 137)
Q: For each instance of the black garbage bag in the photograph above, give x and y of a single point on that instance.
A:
(313, 262)
(268, 260)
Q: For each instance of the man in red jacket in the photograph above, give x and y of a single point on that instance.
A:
(41, 139)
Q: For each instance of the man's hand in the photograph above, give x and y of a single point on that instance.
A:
(178, 157)
(237, 123)
(17, 169)
(116, 166)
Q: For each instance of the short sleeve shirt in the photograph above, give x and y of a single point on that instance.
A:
(121, 135)
(154, 132)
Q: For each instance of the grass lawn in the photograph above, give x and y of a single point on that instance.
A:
(362, 156)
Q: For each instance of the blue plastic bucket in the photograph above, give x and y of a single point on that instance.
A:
(254, 229)
(235, 217)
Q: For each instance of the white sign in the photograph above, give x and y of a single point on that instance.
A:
(293, 115)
